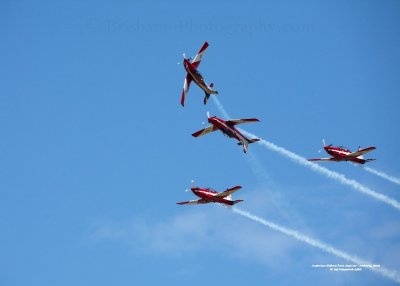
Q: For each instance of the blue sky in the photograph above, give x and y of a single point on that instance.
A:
(96, 148)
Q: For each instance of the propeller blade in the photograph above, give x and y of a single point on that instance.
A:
(184, 55)
(323, 142)
(208, 114)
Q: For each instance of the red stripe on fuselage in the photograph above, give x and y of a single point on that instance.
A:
(228, 130)
(209, 196)
(195, 75)
(340, 154)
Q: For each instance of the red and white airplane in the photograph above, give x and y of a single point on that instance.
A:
(343, 154)
(194, 74)
(208, 195)
(227, 127)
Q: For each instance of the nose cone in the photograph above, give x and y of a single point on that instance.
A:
(193, 189)
(212, 119)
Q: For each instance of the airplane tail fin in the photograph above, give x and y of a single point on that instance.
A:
(246, 145)
(207, 94)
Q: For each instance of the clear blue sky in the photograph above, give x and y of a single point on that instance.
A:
(96, 149)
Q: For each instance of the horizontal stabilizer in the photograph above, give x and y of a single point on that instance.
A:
(253, 140)
(206, 97)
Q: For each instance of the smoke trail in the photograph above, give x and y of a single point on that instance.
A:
(260, 171)
(315, 167)
(328, 173)
(382, 175)
(220, 107)
(390, 274)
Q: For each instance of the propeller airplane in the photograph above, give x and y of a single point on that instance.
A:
(195, 75)
(227, 127)
(343, 154)
(208, 195)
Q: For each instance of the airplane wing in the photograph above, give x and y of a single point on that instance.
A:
(361, 152)
(322, 159)
(185, 90)
(228, 192)
(197, 59)
(205, 131)
(193, 202)
(241, 121)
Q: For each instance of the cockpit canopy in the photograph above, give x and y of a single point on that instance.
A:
(344, 148)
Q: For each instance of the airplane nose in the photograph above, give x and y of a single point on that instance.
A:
(193, 189)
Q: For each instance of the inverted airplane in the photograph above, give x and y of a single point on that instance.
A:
(208, 195)
(227, 127)
(343, 154)
(194, 74)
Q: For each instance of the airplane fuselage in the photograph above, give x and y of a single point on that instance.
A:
(197, 77)
(208, 196)
(228, 130)
(337, 152)
(340, 154)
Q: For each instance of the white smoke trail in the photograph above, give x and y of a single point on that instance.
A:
(220, 107)
(315, 167)
(390, 274)
(261, 172)
(328, 173)
(382, 175)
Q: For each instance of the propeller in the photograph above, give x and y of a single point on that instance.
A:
(324, 144)
(184, 57)
(208, 114)
(192, 182)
